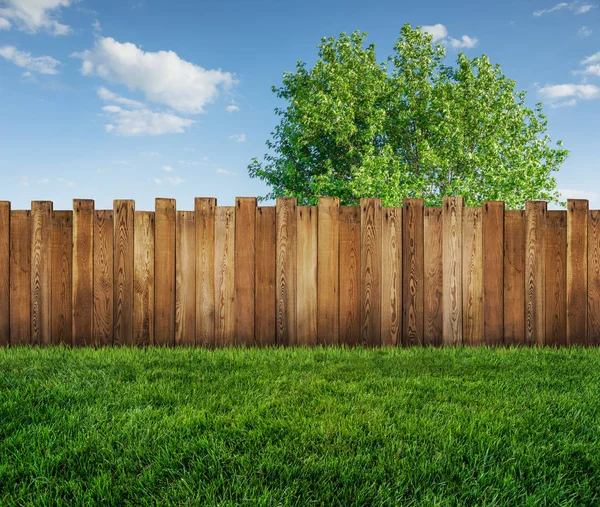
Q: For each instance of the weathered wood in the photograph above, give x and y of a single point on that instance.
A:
(493, 272)
(286, 270)
(83, 271)
(103, 278)
(452, 247)
(535, 272)
(391, 277)
(433, 314)
(20, 277)
(143, 278)
(556, 278)
(185, 287)
(164, 272)
(577, 271)
(123, 271)
(514, 277)
(306, 302)
(350, 291)
(245, 244)
(370, 268)
(593, 269)
(413, 281)
(472, 282)
(41, 272)
(225, 276)
(205, 270)
(62, 288)
(4, 273)
(265, 321)
(328, 245)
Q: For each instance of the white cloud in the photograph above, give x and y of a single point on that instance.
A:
(150, 154)
(41, 64)
(168, 169)
(224, 171)
(33, 15)
(162, 76)
(584, 31)
(44, 181)
(24, 181)
(232, 109)
(172, 180)
(438, 32)
(570, 193)
(557, 7)
(109, 96)
(575, 7)
(563, 91)
(66, 182)
(158, 181)
(4, 24)
(144, 122)
(582, 9)
(593, 70)
(565, 103)
(464, 42)
(238, 138)
(595, 58)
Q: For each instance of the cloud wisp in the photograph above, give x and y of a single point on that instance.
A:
(439, 33)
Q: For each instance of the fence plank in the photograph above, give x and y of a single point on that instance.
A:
(472, 264)
(593, 295)
(103, 277)
(306, 303)
(265, 321)
(62, 288)
(20, 277)
(370, 268)
(328, 245)
(164, 273)
(286, 270)
(123, 271)
(245, 235)
(514, 277)
(535, 257)
(433, 314)
(577, 271)
(225, 276)
(413, 281)
(452, 248)
(4, 273)
(493, 274)
(41, 272)
(556, 278)
(83, 271)
(391, 277)
(144, 278)
(185, 287)
(350, 291)
(205, 270)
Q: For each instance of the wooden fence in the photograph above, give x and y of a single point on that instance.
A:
(295, 275)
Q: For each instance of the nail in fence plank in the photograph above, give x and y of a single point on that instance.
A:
(286, 270)
(4, 273)
(41, 272)
(123, 271)
(205, 270)
(350, 289)
(164, 272)
(370, 268)
(264, 321)
(472, 265)
(83, 271)
(62, 281)
(20, 277)
(245, 245)
(143, 278)
(103, 277)
(328, 245)
(535, 271)
(452, 248)
(413, 263)
(556, 278)
(306, 313)
(433, 270)
(577, 271)
(225, 276)
(185, 287)
(514, 277)
(391, 277)
(493, 272)
(593, 249)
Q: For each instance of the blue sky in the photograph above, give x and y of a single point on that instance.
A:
(137, 99)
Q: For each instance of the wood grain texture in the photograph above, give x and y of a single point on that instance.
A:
(370, 268)
(224, 276)
(245, 244)
(20, 277)
(556, 278)
(185, 286)
(593, 260)
(83, 271)
(413, 265)
(472, 272)
(103, 277)
(391, 277)
(577, 271)
(123, 271)
(4, 273)
(205, 270)
(306, 302)
(433, 268)
(535, 272)
(41, 272)
(62, 282)
(164, 272)
(143, 278)
(265, 314)
(452, 247)
(493, 274)
(328, 245)
(514, 277)
(286, 270)
(350, 289)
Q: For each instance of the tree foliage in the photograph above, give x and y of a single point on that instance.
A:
(408, 127)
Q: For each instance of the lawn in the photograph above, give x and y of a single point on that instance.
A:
(461, 426)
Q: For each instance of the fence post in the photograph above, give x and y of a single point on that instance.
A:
(83, 271)
(4, 273)
(577, 271)
(535, 272)
(493, 272)
(245, 247)
(123, 271)
(328, 264)
(41, 272)
(370, 261)
(205, 272)
(452, 248)
(286, 270)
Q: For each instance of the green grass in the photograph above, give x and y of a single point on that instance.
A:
(299, 427)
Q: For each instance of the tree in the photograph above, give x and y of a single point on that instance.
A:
(409, 127)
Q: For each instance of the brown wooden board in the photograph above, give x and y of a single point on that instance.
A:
(164, 272)
(577, 271)
(185, 287)
(20, 277)
(306, 302)
(143, 278)
(593, 295)
(285, 283)
(391, 277)
(328, 246)
(264, 321)
(62, 281)
(224, 276)
(103, 277)
(245, 245)
(4, 273)
(83, 271)
(205, 270)
(535, 272)
(350, 292)
(493, 272)
(413, 281)
(41, 272)
(452, 250)
(370, 268)
(472, 272)
(433, 270)
(514, 277)
(123, 272)
(556, 278)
